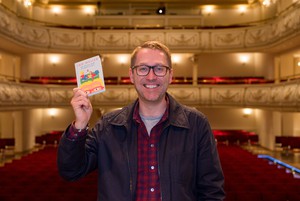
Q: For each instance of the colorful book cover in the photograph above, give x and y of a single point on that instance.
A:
(89, 75)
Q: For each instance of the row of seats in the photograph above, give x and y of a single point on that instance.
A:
(6, 142)
(249, 178)
(236, 137)
(288, 142)
(7, 147)
(35, 177)
(222, 136)
(51, 138)
(114, 80)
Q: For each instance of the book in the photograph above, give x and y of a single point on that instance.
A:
(89, 75)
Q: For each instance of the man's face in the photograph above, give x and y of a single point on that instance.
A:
(151, 88)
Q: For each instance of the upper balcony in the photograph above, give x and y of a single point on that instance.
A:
(194, 33)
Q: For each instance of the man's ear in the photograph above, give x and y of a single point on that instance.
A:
(131, 75)
(171, 76)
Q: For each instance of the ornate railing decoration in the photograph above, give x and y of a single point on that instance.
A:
(282, 96)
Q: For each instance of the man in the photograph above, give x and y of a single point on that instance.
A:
(153, 149)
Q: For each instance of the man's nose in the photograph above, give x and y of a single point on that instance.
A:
(151, 75)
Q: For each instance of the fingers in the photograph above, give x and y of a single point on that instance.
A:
(80, 99)
(79, 92)
(82, 107)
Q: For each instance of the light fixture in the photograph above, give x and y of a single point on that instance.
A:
(244, 59)
(296, 60)
(175, 59)
(247, 112)
(54, 60)
(27, 3)
(88, 10)
(208, 9)
(267, 3)
(56, 10)
(242, 9)
(52, 112)
(122, 59)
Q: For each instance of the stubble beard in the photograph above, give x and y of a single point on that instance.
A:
(150, 97)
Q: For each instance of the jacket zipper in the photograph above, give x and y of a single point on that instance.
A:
(130, 176)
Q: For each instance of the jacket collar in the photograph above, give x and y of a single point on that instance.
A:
(177, 115)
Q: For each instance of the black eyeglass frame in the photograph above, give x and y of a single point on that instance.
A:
(151, 67)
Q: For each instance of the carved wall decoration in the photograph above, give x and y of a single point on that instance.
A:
(35, 35)
(111, 97)
(109, 40)
(297, 95)
(37, 96)
(61, 96)
(228, 39)
(5, 94)
(290, 21)
(7, 22)
(285, 96)
(67, 39)
(137, 38)
(288, 94)
(190, 94)
(4, 20)
(257, 36)
(275, 95)
(18, 93)
(224, 96)
(257, 95)
(183, 39)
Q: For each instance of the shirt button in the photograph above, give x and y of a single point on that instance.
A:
(152, 190)
(152, 167)
(152, 145)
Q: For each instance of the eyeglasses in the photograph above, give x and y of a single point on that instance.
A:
(158, 70)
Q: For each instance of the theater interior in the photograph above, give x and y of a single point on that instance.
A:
(236, 61)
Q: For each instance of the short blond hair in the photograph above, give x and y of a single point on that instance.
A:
(154, 45)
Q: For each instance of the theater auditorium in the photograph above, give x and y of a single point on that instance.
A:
(236, 61)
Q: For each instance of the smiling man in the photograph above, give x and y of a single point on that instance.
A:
(151, 150)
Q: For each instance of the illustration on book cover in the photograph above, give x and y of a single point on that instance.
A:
(89, 75)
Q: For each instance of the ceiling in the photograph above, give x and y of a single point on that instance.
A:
(185, 3)
(199, 2)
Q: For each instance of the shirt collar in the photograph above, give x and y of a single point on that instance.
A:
(137, 117)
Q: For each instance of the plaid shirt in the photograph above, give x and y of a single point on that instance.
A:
(148, 185)
(75, 134)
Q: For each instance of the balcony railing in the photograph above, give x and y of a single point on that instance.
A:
(281, 96)
(194, 39)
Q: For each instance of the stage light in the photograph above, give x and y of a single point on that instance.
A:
(161, 10)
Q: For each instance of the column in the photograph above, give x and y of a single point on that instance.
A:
(194, 59)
